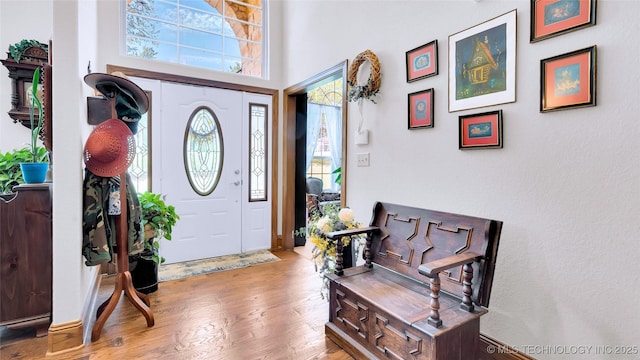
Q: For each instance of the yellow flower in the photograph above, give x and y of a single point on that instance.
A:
(333, 218)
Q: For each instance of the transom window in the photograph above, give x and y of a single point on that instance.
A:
(223, 35)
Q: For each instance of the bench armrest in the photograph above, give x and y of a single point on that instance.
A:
(432, 268)
(335, 235)
(338, 235)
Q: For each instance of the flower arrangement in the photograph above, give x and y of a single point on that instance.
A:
(332, 218)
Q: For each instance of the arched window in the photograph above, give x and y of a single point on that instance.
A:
(220, 35)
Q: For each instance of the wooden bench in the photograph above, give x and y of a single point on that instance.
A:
(424, 285)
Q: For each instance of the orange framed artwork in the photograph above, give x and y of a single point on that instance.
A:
(421, 109)
(422, 61)
(568, 80)
(551, 18)
(480, 131)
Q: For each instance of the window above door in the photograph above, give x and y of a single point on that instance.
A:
(218, 35)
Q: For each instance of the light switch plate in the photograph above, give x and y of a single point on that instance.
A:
(363, 159)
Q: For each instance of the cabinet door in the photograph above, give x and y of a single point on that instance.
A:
(25, 250)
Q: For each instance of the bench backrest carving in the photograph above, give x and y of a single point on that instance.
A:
(410, 236)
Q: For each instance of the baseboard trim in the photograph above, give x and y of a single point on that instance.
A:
(90, 306)
(72, 335)
(64, 337)
(492, 349)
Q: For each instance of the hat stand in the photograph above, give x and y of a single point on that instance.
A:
(123, 276)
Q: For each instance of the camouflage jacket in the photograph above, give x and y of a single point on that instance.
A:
(98, 228)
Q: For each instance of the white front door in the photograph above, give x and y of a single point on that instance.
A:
(226, 221)
(209, 225)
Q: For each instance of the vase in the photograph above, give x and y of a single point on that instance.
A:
(34, 173)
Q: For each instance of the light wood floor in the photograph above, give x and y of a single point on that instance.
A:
(269, 311)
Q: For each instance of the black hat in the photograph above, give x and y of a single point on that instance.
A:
(107, 84)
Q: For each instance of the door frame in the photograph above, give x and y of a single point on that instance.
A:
(275, 241)
(289, 146)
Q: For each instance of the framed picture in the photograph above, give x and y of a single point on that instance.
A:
(482, 64)
(551, 18)
(568, 80)
(422, 61)
(480, 131)
(421, 109)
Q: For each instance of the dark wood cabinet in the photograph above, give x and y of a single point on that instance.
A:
(26, 257)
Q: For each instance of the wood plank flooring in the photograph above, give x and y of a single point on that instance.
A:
(268, 311)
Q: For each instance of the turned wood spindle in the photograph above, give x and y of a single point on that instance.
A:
(466, 303)
(339, 267)
(434, 315)
(367, 253)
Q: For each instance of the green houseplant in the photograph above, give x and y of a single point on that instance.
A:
(158, 219)
(35, 169)
(10, 170)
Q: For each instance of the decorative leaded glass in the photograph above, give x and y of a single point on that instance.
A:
(203, 151)
(258, 152)
(140, 168)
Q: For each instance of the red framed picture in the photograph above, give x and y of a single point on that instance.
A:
(422, 61)
(421, 109)
(568, 80)
(551, 18)
(480, 131)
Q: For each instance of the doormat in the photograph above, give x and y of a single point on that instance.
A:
(205, 266)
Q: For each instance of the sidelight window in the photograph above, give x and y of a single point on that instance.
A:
(258, 152)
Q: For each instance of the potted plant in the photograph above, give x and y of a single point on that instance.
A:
(158, 219)
(34, 170)
(10, 171)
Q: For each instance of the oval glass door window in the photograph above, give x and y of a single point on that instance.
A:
(203, 151)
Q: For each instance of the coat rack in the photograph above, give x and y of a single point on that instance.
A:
(123, 276)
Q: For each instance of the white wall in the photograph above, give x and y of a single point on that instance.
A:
(60, 22)
(14, 15)
(74, 42)
(565, 184)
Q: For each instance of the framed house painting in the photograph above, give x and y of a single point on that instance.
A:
(551, 18)
(482, 64)
(421, 109)
(422, 61)
(480, 131)
(568, 80)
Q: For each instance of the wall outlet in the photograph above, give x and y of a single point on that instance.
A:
(363, 159)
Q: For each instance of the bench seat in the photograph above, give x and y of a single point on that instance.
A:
(392, 306)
